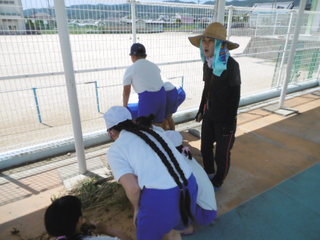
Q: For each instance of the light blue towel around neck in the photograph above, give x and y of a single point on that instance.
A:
(219, 63)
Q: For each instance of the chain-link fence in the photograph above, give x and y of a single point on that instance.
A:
(33, 96)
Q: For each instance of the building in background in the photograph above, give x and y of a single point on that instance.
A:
(11, 17)
(273, 5)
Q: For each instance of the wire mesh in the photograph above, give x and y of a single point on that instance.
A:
(33, 96)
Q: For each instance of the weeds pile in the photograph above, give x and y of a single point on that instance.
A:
(104, 193)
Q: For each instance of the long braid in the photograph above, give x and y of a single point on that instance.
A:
(168, 150)
(184, 202)
(159, 153)
(186, 198)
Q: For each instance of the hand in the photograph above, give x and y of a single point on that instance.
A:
(199, 117)
(186, 151)
(135, 216)
(87, 228)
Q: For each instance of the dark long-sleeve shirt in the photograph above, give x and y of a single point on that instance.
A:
(221, 95)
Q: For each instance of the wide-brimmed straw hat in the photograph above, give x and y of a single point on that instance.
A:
(214, 30)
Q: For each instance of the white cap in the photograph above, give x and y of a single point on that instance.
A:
(116, 115)
(168, 86)
(175, 137)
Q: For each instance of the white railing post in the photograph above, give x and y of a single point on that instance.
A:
(219, 11)
(133, 21)
(292, 52)
(257, 20)
(275, 23)
(230, 13)
(61, 17)
(285, 49)
(318, 75)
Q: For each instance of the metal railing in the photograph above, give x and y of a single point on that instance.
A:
(33, 92)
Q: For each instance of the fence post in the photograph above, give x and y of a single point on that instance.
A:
(133, 21)
(219, 9)
(285, 49)
(275, 24)
(37, 104)
(62, 23)
(97, 95)
(182, 81)
(230, 13)
(292, 52)
(257, 21)
(318, 75)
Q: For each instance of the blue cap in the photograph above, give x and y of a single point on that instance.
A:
(137, 49)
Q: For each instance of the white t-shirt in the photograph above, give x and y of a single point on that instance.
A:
(100, 238)
(157, 129)
(130, 154)
(143, 75)
(206, 198)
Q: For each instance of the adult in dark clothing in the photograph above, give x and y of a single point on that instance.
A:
(220, 100)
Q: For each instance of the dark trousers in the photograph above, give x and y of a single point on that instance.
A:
(223, 137)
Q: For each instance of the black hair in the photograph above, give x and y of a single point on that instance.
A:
(62, 216)
(145, 121)
(176, 172)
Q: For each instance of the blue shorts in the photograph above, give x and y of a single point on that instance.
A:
(133, 109)
(152, 103)
(204, 217)
(181, 96)
(159, 211)
(172, 102)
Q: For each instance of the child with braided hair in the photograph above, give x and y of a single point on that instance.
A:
(155, 177)
(206, 210)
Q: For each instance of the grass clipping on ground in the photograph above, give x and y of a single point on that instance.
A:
(101, 193)
(104, 200)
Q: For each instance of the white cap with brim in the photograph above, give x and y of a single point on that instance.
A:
(175, 137)
(116, 115)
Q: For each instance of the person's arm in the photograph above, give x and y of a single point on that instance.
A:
(126, 94)
(233, 104)
(199, 115)
(234, 94)
(133, 191)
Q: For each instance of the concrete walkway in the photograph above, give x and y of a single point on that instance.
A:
(269, 149)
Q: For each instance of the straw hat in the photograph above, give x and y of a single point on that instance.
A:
(214, 30)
